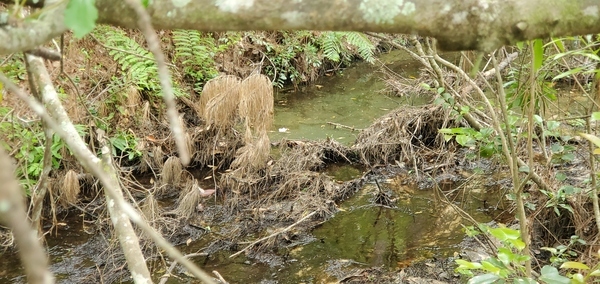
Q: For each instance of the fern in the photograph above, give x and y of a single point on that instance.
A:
(364, 47)
(337, 46)
(136, 62)
(196, 53)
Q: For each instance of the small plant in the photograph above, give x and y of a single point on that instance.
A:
(563, 253)
(26, 141)
(125, 145)
(508, 264)
(14, 68)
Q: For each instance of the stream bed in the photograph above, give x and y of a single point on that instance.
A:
(420, 225)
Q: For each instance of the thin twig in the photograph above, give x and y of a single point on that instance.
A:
(351, 128)
(145, 25)
(92, 164)
(273, 234)
(220, 277)
(165, 277)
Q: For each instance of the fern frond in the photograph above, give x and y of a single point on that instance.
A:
(195, 51)
(364, 46)
(331, 45)
(134, 60)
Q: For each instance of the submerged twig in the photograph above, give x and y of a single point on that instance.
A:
(273, 234)
(351, 128)
(165, 277)
(220, 277)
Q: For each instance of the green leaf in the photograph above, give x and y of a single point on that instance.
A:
(552, 125)
(595, 273)
(463, 264)
(592, 138)
(81, 16)
(577, 278)
(484, 279)
(567, 73)
(504, 234)
(596, 115)
(574, 265)
(463, 140)
(560, 176)
(559, 44)
(538, 54)
(524, 280)
(550, 275)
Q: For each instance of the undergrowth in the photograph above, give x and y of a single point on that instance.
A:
(135, 61)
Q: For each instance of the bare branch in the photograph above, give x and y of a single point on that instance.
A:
(127, 237)
(145, 25)
(92, 164)
(14, 215)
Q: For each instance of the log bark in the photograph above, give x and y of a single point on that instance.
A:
(457, 25)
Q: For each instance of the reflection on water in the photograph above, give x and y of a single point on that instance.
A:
(353, 99)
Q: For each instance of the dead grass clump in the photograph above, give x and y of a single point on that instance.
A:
(219, 101)
(170, 176)
(401, 135)
(254, 155)
(256, 103)
(133, 100)
(214, 147)
(189, 199)
(158, 157)
(70, 189)
(189, 144)
(150, 209)
(551, 228)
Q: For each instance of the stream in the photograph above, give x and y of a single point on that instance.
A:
(419, 226)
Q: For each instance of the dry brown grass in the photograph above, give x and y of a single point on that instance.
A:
(150, 209)
(256, 103)
(254, 155)
(219, 101)
(158, 157)
(172, 169)
(189, 199)
(402, 135)
(133, 100)
(69, 191)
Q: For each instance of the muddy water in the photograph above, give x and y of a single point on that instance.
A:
(419, 226)
(362, 235)
(352, 98)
